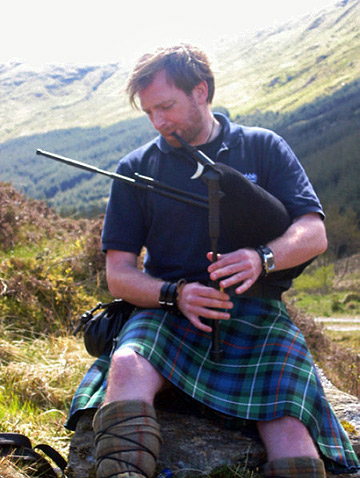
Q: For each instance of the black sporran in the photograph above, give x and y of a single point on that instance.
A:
(101, 329)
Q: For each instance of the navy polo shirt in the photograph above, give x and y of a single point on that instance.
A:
(176, 235)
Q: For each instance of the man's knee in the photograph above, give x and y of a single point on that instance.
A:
(132, 377)
(284, 426)
(124, 364)
(128, 364)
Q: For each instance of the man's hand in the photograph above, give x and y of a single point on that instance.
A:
(303, 240)
(196, 301)
(241, 267)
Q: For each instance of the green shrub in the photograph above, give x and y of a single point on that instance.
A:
(320, 279)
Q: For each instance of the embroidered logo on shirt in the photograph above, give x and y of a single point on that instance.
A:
(251, 177)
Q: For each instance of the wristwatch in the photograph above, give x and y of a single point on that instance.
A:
(267, 259)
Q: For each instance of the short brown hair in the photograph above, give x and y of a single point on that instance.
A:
(185, 66)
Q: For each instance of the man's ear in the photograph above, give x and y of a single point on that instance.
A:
(201, 92)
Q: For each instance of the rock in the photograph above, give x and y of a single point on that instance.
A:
(194, 441)
(81, 461)
(191, 441)
(347, 409)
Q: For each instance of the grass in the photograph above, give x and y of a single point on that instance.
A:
(51, 271)
(37, 380)
(10, 470)
(239, 471)
(347, 339)
(48, 277)
(326, 304)
(320, 293)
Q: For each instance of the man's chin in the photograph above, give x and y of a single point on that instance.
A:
(172, 141)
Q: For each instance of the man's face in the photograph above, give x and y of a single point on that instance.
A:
(171, 110)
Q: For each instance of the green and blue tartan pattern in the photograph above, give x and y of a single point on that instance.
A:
(267, 371)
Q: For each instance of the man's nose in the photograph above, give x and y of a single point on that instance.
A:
(158, 120)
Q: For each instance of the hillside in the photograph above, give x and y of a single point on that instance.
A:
(284, 69)
(271, 70)
(324, 135)
(302, 80)
(69, 189)
(36, 100)
(52, 270)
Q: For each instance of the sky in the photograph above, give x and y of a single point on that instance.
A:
(39, 32)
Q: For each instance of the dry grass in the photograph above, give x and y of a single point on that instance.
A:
(37, 381)
(10, 470)
(41, 370)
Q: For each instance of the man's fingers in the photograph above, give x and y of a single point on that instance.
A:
(200, 325)
(244, 287)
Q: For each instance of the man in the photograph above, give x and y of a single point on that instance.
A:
(266, 374)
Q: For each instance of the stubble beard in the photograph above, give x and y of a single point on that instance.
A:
(192, 128)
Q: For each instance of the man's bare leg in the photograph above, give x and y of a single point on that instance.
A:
(127, 435)
(291, 451)
(132, 377)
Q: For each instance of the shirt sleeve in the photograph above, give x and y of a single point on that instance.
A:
(286, 179)
(124, 226)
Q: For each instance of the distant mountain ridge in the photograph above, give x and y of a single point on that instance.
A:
(58, 96)
(276, 69)
(301, 80)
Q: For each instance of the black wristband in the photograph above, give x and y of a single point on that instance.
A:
(171, 295)
(168, 296)
(163, 293)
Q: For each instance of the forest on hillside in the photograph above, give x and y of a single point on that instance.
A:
(324, 135)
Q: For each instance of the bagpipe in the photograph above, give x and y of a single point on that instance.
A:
(248, 215)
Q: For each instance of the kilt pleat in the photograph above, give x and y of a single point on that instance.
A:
(266, 371)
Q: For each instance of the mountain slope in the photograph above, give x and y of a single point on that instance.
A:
(302, 80)
(66, 188)
(284, 69)
(324, 135)
(54, 97)
(276, 69)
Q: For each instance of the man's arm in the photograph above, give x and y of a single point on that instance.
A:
(303, 240)
(125, 280)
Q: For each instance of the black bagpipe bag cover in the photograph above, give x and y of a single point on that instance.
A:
(250, 216)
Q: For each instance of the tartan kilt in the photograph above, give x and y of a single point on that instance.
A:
(266, 372)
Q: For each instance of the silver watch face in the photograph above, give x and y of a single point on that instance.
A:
(269, 262)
